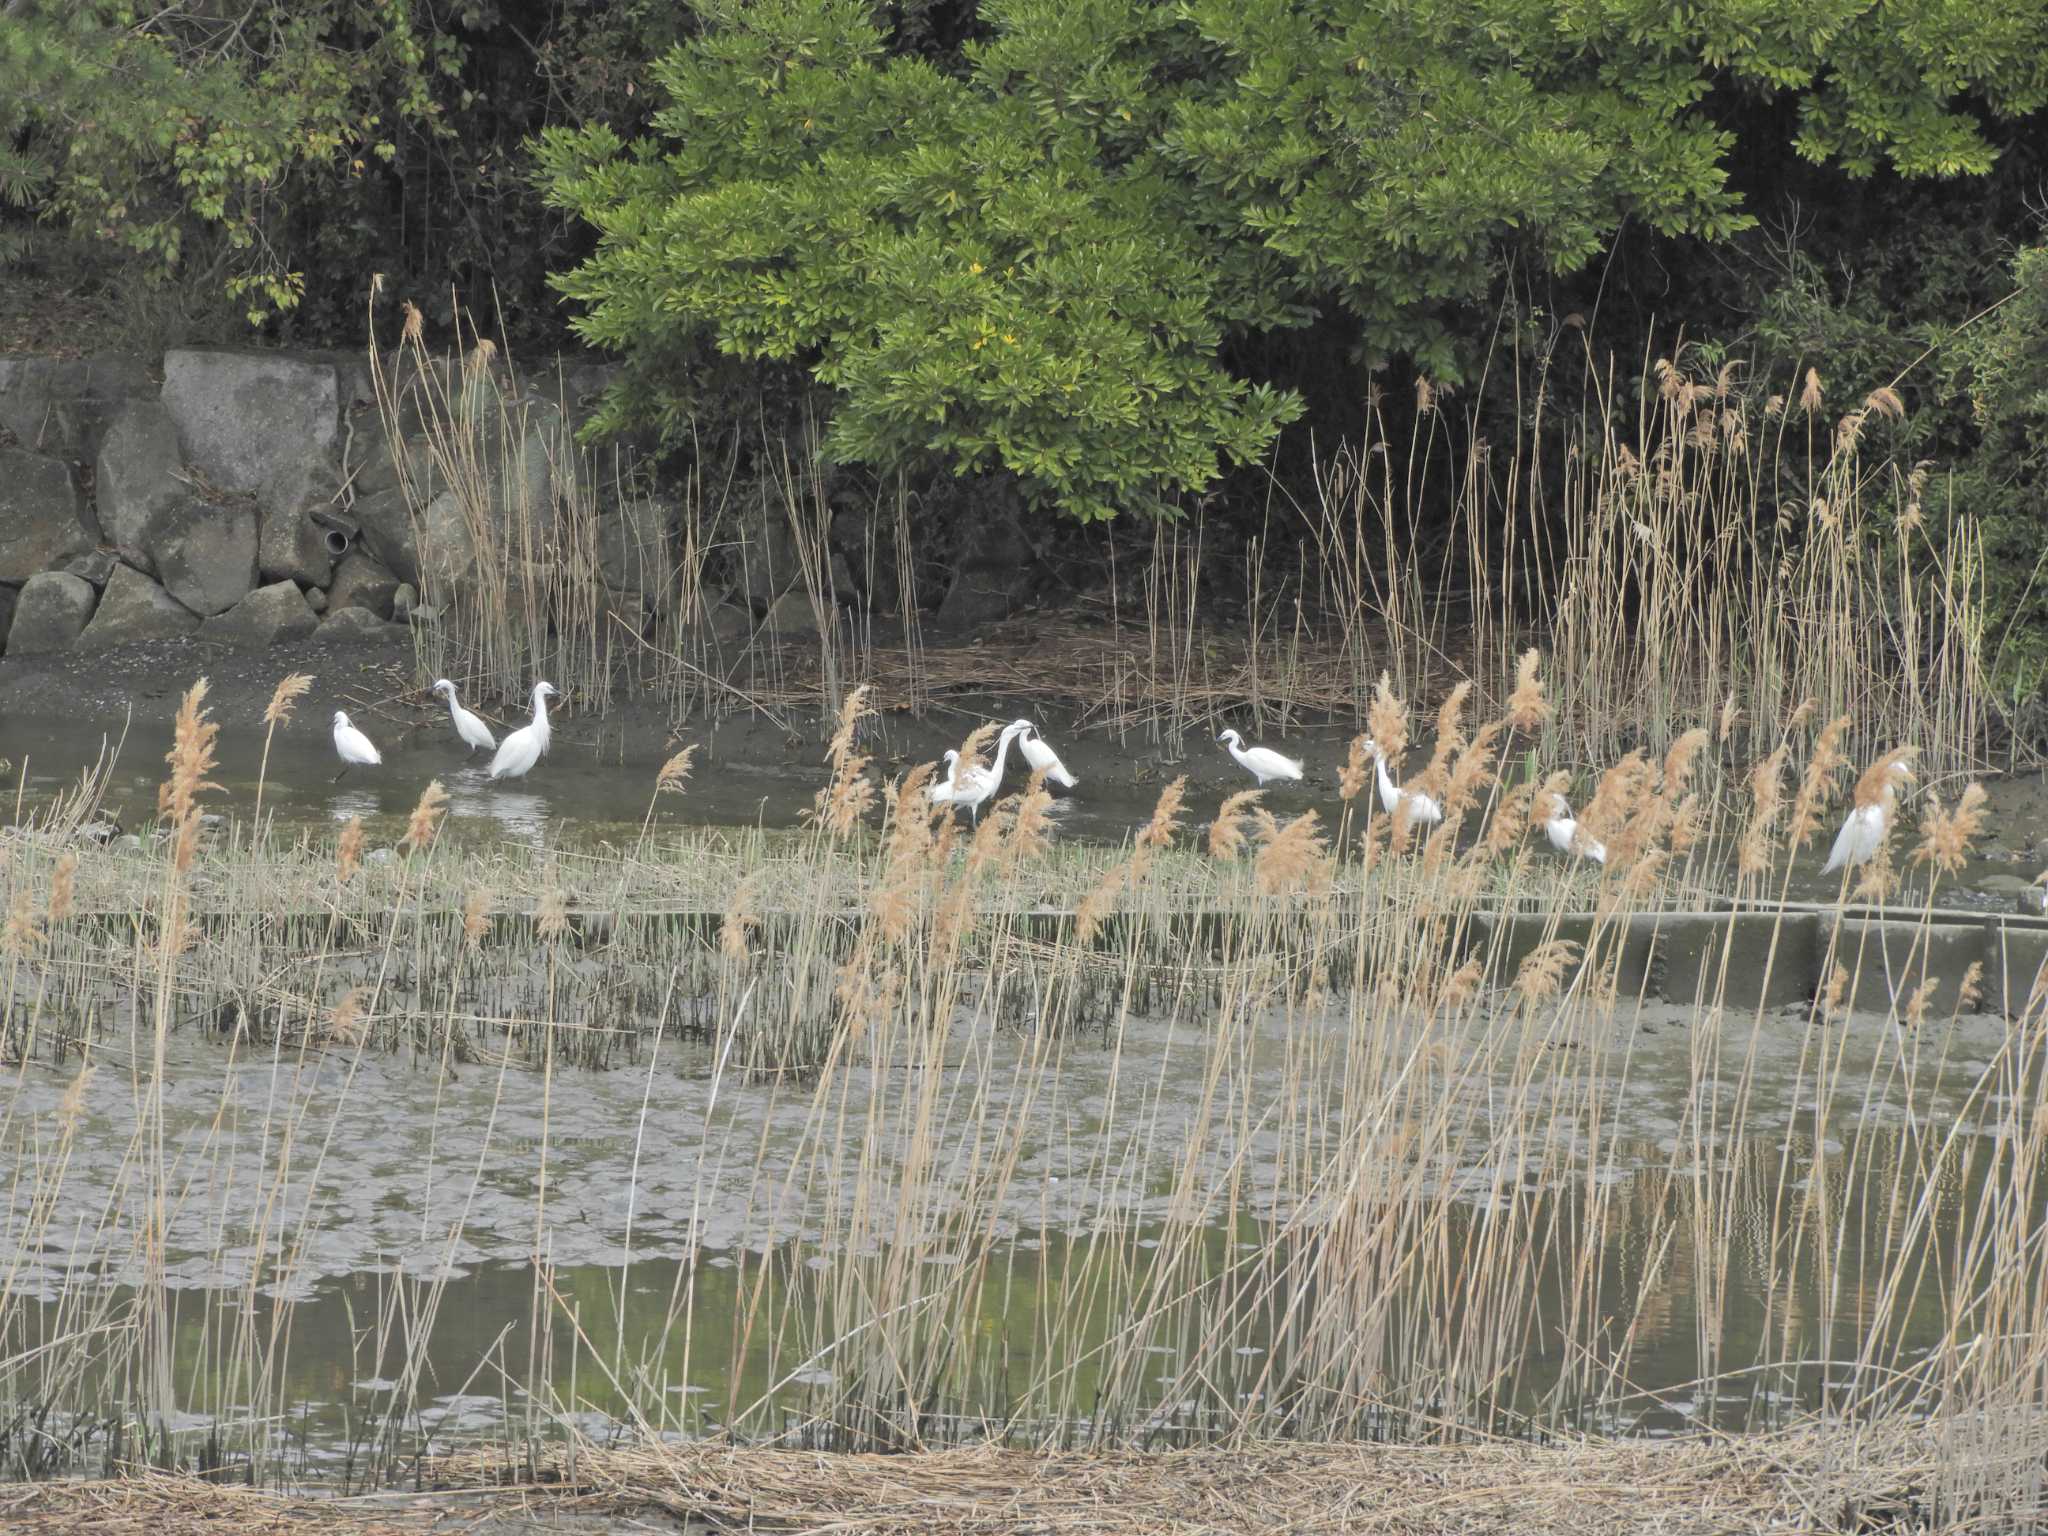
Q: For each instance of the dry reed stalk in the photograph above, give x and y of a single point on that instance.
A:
(23, 933)
(344, 1024)
(1757, 845)
(1158, 831)
(278, 712)
(1357, 771)
(1816, 784)
(1472, 774)
(742, 916)
(849, 793)
(971, 749)
(1512, 818)
(191, 758)
(551, 916)
(63, 879)
(1031, 837)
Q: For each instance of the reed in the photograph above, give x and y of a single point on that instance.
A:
(1207, 1140)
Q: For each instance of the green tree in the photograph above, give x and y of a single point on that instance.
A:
(1032, 253)
(147, 127)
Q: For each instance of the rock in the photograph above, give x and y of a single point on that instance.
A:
(39, 514)
(254, 421)
(385, 518)
(9, 596)
(405, 602)
(135, 608)
(763, 557)
(290, 546)
(204, 552)
(139, 471)
(995, 576)
(447, 549)
(267, 616)
(791, 614)
(97, 565)
(50, 613)
(63, 406)
(355, 626)
(360, 582)
(633, 545)
(316, 600)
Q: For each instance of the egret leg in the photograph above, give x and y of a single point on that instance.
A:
(337, 778)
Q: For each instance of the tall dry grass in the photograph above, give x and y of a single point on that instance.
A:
(1399, 1199)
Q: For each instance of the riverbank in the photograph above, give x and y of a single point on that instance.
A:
(1809, 1479)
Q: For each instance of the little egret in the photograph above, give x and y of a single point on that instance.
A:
(1564, 835)
(1262, 763)
(977, 784)
(523, 748)
(1041, 756)
(352, 745)
(471, 729)
(1864, 827)
(1421, 809)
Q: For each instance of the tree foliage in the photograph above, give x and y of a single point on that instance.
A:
(1031, 252)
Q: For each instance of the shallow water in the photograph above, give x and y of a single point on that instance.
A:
(370, 1211)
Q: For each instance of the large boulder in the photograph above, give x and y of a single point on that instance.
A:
(356, 626)
(386, 524)
(360, 582)
(204, 552)
(260, 422)
(63, 406)
(52, 610)
(267, 616)
(135, 608)
(9, 596)
(633, 545)
(763, 554)
(447, 546)
(40, 509)
(997, 570)
(291, 546)
(140, 471)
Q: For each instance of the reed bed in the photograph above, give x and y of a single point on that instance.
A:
(1346, 1168)
(1721, 544)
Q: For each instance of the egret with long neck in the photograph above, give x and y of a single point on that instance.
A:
(524, 747)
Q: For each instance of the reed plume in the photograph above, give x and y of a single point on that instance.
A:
(348, 852)
(551, 916)
(426, 817)
(191, 759)
(1387, 719)
(62, 882)
(1157, 833)
(476, 913)
(1945, 836)
(849, 794)
(742, 916)
(1542, 969)
(1293, 858)
(670, 779)
(1031, 835)
(278, 712)
(1528, 709)
(1758, 843)
(1226, 832)
(1357, 769)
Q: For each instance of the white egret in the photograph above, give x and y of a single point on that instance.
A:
(1563, 831)
(352, 746)
(1262, 763)
(1040, 755)
(523, 748)
(467, 725)
(977, 784)
(1863, 829)
(1421, 809)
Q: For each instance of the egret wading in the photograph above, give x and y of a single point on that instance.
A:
(523, 748)
(1262, 763)
(1040, 755)
(1565, 836)
(1863, 829)
(352, 746)
(1420, 809)
(976, 784)
(468, 726)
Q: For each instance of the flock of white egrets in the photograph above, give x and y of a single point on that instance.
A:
(511, 758)
(1862, 830)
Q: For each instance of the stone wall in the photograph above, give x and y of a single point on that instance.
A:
(248, 497)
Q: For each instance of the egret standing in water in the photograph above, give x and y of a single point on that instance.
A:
(1040, 755)
(353, 747)
(1565, 837)
(1420, 809)
(1863, 829)
(976, 784)
(523, 748)
(467, 725)
(1262, 763)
